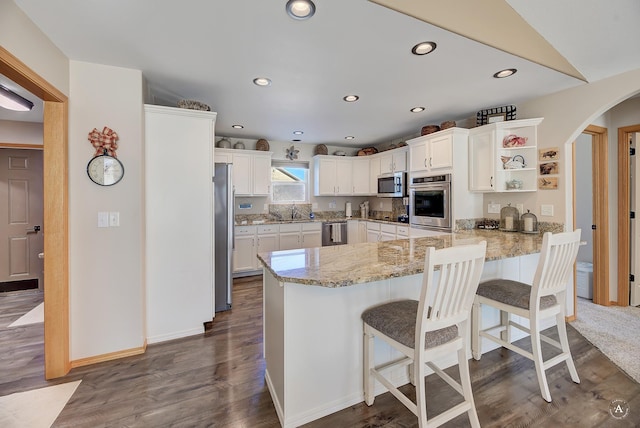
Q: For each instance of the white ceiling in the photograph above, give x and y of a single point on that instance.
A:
(211, 51)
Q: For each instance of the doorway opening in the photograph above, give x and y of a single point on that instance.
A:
(55, 203)
(624, 209)
(599, 229)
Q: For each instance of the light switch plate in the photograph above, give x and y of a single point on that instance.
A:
(493, 208)
(103, 219)
(546, 210)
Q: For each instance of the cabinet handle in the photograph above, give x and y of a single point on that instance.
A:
(425, 162)
(430, 162)
(491, 181)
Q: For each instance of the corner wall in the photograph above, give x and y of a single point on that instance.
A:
(106, 264)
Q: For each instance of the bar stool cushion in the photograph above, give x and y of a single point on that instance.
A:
(397, 320)
(512, 293)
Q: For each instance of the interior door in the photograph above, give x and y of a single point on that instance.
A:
(634, 286)
(20, 235)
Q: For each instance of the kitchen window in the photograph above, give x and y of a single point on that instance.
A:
(289, 182)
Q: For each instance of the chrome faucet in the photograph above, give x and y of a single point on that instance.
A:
(293, 211)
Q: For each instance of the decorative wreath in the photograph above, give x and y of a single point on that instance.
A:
(104, 142)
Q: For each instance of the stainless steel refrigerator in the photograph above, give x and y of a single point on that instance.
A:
(223, 230)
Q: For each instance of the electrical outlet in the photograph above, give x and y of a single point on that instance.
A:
(114, 219)
(546, 210)
(493, 208)
(520, 208)
(332, 204)
(314, 206)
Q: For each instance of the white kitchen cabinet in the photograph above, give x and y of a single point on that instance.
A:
(402, 232)
(289, 236)
(373, 231)
(261, 174)
(222, 157)
(374, 172)
(244, 253)
(387, 232)
(353, 235)
(267, 239)
(251, 171)
(393, 161)
(179, 221)
(311, 235)
(487, 156)
(332, 176)
(361, 184)
(434, 152)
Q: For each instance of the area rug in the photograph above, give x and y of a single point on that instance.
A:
(35, 315)
(37, 408)
(613, 330)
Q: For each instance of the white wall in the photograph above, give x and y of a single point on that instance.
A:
(106, 264)
(22, 133)
(28, 43)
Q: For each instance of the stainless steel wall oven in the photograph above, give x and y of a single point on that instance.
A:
(430, 202)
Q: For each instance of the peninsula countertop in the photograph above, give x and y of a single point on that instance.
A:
(345, 265)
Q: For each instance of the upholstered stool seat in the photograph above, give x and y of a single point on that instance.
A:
(512, 293)
(397, 320)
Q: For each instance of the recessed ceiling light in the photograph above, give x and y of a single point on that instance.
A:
(349, 137)
(505, 73)
(237, 126)
(262, 81)
(300, 9)
(417, 109)
(351, 98)
(423, 48)
(298, 132)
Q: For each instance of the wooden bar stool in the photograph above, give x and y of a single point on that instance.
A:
(428, 329)
(544, 299)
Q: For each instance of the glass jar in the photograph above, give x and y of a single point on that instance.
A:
(509, 219)
(529, 223)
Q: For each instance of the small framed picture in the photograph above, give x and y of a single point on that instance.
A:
(551, 153)
(548, 183)
(547, 168)
(498, 117)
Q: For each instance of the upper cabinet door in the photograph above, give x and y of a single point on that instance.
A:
(441, 152)
(242, 174)
(261, 175)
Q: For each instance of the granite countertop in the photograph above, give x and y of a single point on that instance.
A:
(317, 220)
(344, 265)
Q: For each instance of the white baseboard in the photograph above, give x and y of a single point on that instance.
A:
(175, 335)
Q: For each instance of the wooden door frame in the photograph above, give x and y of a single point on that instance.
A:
(624, 209)
(55, 204)
(600, 184)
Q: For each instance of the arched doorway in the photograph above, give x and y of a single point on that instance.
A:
(55, 177)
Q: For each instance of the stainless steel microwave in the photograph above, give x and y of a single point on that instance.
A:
(392, 185)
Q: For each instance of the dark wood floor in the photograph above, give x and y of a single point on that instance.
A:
(217, 380)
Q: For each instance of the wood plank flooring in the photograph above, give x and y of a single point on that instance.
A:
(217, 380)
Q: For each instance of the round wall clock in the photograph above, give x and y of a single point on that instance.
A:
(105, 170)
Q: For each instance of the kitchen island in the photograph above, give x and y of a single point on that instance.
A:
(313, 299)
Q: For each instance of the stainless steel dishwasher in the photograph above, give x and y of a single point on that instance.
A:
(334, 233)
